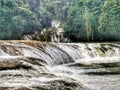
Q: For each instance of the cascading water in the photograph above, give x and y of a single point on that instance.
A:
(64, 65)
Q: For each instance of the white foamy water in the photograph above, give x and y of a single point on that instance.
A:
(95, 65)
(107, 81)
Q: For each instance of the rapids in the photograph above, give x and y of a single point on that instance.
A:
(34, 65)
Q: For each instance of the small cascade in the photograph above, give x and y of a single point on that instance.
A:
(58, 36)
(50, 53)
(54, 54)
(27, 37)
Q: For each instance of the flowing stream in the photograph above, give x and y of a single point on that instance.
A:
(33, 65)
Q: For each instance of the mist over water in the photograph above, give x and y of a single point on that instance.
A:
(77, 66)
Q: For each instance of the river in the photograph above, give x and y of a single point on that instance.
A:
(34, 65)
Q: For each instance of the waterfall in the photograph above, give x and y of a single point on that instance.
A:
(59, 33)
(54, 54)
(27, 37)
(35, 65)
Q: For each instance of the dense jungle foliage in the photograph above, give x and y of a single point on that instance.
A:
(86, 20)
(94, 20)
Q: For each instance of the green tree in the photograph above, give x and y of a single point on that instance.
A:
(110, 21)
(82, 20)
(16, 18)
(74, 28)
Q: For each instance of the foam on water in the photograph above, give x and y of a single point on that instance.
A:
(62, 61)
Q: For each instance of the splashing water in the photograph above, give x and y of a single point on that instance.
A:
(94, 66)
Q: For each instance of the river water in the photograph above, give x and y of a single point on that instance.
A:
(106, 77)
(59, 66)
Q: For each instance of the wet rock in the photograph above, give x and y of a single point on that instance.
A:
(19, 62)
(12, 88)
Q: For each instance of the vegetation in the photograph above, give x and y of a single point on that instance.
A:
(16, 18)
(109, 20)
(93, 20)
(86, 20)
